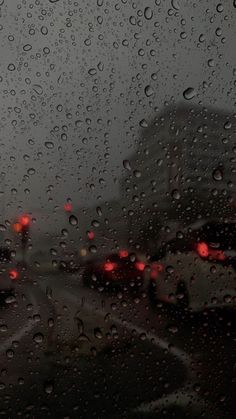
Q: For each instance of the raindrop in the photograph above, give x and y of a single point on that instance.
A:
(38, 337)
(3, 328)
(9, 353)
(93, 249)
(175, 4)
(92, 71)
(148, 13)
(137, 173)
(31, 171)
(11, 67)
(175, 194)
(73, 220)
(49, 144)
(49, 293)
(44, 30)
(99, 211)
(217, 175)
(148, 91)
(27, 47)
(38, 89)
(189, 93)
(143, 123)
(98, 333)
(227, 125)
(11, 299)
(126, 164)
(48, 387)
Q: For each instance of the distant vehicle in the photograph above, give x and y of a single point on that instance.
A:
(198, 270)
(119, 270)
(8, 272)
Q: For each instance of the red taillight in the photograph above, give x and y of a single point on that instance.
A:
(90, 235)
(140, 266)
(68, 207)
(17, 227)
(13, 274)
(123, 254)
(203, 250)
(24, 220)
(155, 269)
(109, 266)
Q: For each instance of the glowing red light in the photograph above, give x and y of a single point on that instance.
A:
(90, 235)
(24, 220)
(17, 227)
(13, 274)
(123, 253)
(68, 207)
(140, 266)
(109, 266)
(218, 254)
(203, 250)
(155, 269)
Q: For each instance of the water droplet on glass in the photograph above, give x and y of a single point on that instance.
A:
(73, 220)
(217, 175)
(148, 91)
(175, 4)
(189, 93)
(143, 123)
(38, 337)
(98, 333)
(126, 164)
(48, 387)
(148, 13)
(49, 144)
(38, 89)
(10, 299)
(175, 194)
(93, 249)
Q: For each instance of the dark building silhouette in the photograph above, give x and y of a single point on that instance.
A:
(183, 170)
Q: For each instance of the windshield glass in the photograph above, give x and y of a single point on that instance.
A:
(117, 209)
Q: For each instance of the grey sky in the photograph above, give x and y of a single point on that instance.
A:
(74, 93)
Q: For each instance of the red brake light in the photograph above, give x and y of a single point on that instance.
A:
(203, 250)
(123, 254)
(109, 266)
(155, 269)
(17, 227)
(140, 266)
(13, 274)
(24, 220)
(90, 235)
(68, 207)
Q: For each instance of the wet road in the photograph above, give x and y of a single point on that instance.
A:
(68, 351)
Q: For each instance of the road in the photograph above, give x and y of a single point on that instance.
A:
(68, 351)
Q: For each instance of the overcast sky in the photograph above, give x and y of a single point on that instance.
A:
(78, 77)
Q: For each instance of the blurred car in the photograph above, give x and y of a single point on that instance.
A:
(8, 272)
(119, 270)
(197, 270)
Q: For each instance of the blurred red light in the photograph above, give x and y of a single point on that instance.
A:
(13, 274)
(17, 227)
(90, 235)
(123, 253)
(202, 249)
(108, 267)
(155, 269)
(24, 220)
(140, 266)
(68, 207)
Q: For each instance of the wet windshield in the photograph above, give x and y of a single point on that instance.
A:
(117, 209)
